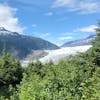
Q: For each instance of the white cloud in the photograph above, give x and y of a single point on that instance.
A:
(62, 19)
(45, 34)
(49, 13)
(34, 25)
(80, 6)
(90, 7)
(34, 2)
(65, 38)
(61, 3)
(90, 28)
(41, 35)
(8, 19)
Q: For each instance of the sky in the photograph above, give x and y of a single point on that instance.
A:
(57, 21)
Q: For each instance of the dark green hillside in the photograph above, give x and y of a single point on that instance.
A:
(21, 45)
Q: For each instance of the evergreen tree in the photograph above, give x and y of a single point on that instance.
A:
(10, 69)
(96, 47)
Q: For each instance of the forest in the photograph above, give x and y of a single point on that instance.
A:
(77, 78)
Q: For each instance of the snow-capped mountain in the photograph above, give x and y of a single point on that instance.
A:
(29, 48)
(5, 32)
(81, 42)
(22, 45)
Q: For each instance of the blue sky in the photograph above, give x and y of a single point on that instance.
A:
(57, 21)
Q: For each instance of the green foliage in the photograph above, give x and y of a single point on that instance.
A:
(10, 74)
(75, 79)
(96, 47)
(10, 70)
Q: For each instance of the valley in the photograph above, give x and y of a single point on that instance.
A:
(49, 50)
(29, 49)
(46, 56)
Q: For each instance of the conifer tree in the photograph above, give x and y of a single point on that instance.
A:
(96, 47)
(10, 69)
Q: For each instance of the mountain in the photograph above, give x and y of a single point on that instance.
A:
(21, 45)
(81, 42)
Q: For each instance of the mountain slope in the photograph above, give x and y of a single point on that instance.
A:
(22, 45)
(81, 42)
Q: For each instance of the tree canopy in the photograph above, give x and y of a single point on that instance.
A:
(75, 79)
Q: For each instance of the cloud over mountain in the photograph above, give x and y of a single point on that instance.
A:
(8, 19)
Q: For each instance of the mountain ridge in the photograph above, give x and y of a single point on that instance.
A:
(80, 42)
(22, 45)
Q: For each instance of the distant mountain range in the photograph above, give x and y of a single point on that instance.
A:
(21, 45)
(29, 47)
(66, 50)
(81, 42)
